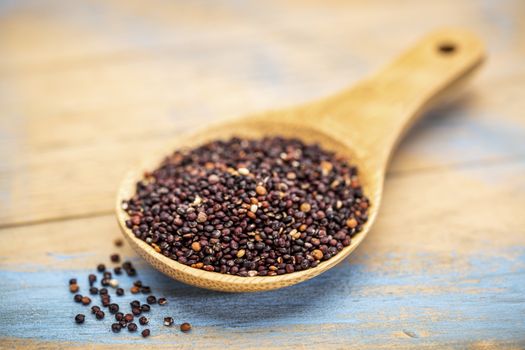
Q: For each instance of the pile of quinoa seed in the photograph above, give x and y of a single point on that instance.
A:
(243, 207)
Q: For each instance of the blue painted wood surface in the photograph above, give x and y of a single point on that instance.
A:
(87, 88)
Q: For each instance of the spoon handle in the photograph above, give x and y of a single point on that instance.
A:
(374, 114)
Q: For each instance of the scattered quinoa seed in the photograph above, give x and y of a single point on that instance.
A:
(116, 327)
(132, 327)
(80, 318)
(185, 327)
(145, 333)
(168, 321)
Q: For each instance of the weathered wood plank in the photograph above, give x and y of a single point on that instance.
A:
(439, 273)
(109, 98)
(86, 88)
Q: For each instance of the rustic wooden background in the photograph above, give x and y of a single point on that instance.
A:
(89, 87)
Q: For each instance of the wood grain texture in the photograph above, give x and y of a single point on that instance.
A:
(88, 88)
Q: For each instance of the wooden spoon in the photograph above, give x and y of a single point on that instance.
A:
(363, 123)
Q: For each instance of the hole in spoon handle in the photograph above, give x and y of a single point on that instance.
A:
(376, 112)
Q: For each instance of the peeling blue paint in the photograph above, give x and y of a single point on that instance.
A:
(485, 301)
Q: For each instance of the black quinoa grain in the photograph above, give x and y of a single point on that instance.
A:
(113, 308)
(132, 327)
(249, 207)
(94, 309)
(107, 275)
(117, 270)
(101, 268)
(93, 290)
(103, 291)
(137, 283)
(73, 281)
(151, 299)
(168, 321)
(162, 301)
(145, 308)
(116, 327)
(77, 298)
(100, 314)
(105, 282)
(135, 303)
(80, 318)
(92, 279)
(114, 258)
(119, 316)
(143, 320)
(136, 311)
(128, 317)
(145, 289)
(123, 323)
(120, 292)
(145, 333)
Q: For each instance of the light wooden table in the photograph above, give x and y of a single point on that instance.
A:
(88, 88)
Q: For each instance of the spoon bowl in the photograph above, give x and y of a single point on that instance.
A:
(363, 124)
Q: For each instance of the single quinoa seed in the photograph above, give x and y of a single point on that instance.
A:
(73, 288)
(118, 242)
(162, 301)
(151, 300)
(119, 292)
(86, 301)
(99, 314)
(132, 327)
(248, 207)
(77, 298)
(116, 327)
(92, 279)
(101, 268)
(80, 318)
(113, 308)
(72, 281)
(185, 327)
(145, 333)
(114, 258)
(143, 320)
(168, 321)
